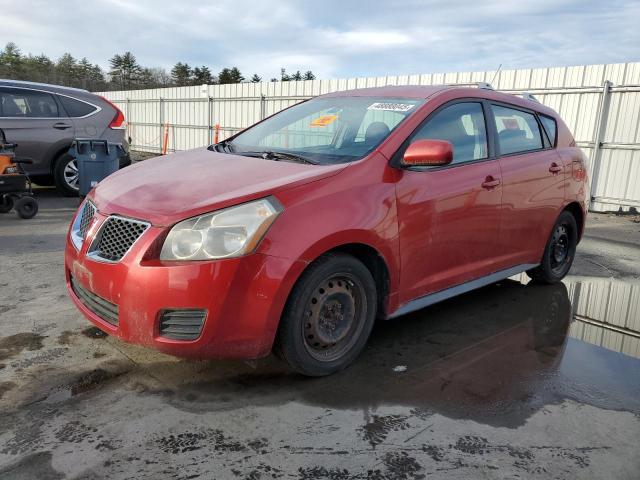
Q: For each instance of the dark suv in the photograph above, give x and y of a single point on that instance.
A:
(44, 119)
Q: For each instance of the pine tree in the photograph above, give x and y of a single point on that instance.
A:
(255, 78)
(11, 62)
(308, 75)
(181, 74)
(230, 75)
(202, 76)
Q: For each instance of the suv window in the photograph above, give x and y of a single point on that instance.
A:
(550, 128)
(518, 131)
(76, 108)
(18, 102)
(463, 125)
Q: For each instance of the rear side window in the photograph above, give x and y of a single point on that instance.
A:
(463, 125)
(76, 108)
(18, 102)
(518, 131)
(550, 128)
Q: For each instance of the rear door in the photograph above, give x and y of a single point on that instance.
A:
(533, 178)
(36, 122)
(450, 216)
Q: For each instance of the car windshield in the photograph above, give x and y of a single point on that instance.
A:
(324, 130)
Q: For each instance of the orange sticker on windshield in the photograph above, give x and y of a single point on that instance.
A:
(323, 121)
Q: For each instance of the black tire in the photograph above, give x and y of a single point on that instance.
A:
(65, 183)
(559, 252)
(328, 317)
(26, 207)
(6, 204)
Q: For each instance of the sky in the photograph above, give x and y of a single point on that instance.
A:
(333, 38)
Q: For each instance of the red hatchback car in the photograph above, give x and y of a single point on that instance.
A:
(297, 233)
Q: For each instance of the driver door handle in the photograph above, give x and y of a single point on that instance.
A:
(490, 182)
(61, 126)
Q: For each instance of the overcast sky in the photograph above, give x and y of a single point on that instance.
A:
(334, 38)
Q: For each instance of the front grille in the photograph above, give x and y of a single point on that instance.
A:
(103, 308)
(116, 237)
(88, 212)
(182, 324)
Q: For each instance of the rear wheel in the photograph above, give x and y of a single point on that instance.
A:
(329, 316)
(66, 177)
(559, 252)
(26, 207)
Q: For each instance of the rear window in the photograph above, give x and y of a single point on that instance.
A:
(76, 108)
(550, 128)
(18, 102)
(518, 131)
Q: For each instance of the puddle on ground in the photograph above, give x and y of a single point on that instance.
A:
(12, 345)
(496, 356)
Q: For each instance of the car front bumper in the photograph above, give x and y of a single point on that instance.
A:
(243, 297)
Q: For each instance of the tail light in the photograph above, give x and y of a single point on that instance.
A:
(118, 122)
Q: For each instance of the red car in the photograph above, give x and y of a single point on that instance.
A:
(297, 233)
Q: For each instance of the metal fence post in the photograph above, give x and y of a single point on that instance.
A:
(128, 117)
(600, 130)
(210, 120)
(161, 119)
(263, 106)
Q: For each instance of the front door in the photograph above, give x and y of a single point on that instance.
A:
(33, 119)
(450, 216)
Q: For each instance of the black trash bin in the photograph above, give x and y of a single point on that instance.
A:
(96, 159)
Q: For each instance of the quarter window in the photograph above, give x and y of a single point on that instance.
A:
(17, 102)
(550, 127)
(463, 125)
(76, 108)
(518, 131)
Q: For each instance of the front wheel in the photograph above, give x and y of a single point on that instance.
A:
(26, 207)
(66, 176)
(559, 252)
(328, 317)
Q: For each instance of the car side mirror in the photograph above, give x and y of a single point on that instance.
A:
(428, 153)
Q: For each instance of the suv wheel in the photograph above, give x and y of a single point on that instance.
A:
(559, 252)
(328, 317)
(66, 175)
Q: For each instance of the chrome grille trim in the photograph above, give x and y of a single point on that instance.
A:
(81, 224)
(116, 237)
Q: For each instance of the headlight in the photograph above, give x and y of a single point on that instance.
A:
(231, 232)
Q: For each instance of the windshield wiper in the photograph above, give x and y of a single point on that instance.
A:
(269, 155)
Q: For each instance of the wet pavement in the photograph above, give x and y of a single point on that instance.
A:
(515, 380)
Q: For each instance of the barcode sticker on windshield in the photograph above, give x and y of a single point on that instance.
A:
(391, 107)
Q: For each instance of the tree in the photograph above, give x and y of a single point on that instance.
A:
(202, 75)
(283, 75)
(181, 74)
(255, 78)
(308, 75)
(39, 69)
(296, 76)
(67, 71)
(125, 70)
(230, 75)
(11, 64)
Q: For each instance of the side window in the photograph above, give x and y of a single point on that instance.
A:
(17, 102)
(550, 127)
(463, 125)
(76, 108)
(518, 131)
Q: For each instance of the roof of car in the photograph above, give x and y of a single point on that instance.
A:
(428, 91)
(23, 83)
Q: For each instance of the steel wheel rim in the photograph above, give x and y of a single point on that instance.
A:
(71, 174)
(560, 247)
(334, 317)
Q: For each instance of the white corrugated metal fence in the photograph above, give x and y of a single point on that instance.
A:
(599, 103)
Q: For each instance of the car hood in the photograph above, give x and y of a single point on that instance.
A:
(165, 190)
